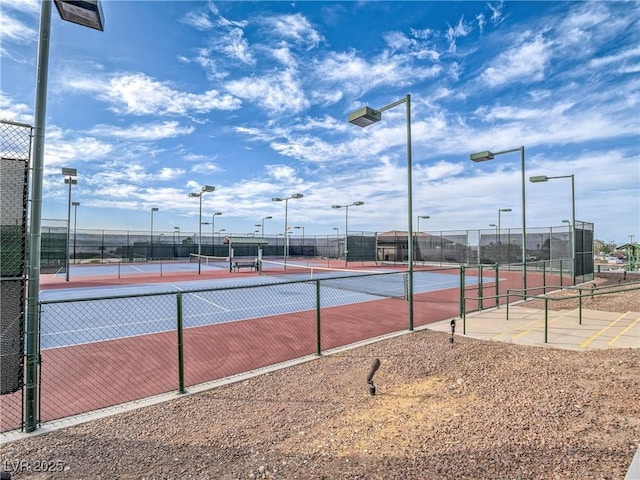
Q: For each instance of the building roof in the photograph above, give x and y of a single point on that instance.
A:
(245, 240)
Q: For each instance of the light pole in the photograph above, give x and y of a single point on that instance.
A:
(302, 245)
(88, 15)
(69, 173)
(153, 210)
(269, 217)
(426, 217)
(500, 210)
(203, 190)
(346, 227)
(338, 237)
(286, 226)
(365, 117)
(219, 232)
(75, 227)
(176, 230)
(488, 155)
(213, 229)
(544, 178)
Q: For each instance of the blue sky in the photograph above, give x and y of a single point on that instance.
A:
(253, 98)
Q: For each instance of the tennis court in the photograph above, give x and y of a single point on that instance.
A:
(116, 340)
(210, 302)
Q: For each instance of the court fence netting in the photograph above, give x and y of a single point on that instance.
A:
(15, 151)
(105, 351)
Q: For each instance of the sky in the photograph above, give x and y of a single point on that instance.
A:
(253, 99)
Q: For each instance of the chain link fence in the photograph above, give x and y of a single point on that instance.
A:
(101, 352)
(15, 151)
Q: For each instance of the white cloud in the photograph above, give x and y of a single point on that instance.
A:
(138, 94)
(147, 132)
(167, 173)
(452, 34)
(295, 28)
(525, 62)
(276, 94)
(281, 172)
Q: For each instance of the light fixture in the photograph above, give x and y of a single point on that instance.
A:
(364, 117)
(489, 155)
(87, 13)
(544, 178)
(93, 19)
(286, 226)
(346, 227)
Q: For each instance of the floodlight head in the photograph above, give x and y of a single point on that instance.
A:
(566, 221)
(424, 216)
(297, 195)
(208, 188)
(482, 156)
(154, 209)
(75, 204)
(69, 172)
(194, 194)
(217, 213)
(493, 225)
(277, 199)
(87, 13)
(73, 181)
(357, 204)
(505, 209)
(336, 206)
(364, 117)
(539, 178)
(268, 218)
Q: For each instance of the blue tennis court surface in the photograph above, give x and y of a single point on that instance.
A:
(153, 268)
(85, 318)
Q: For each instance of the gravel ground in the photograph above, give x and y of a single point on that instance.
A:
(479, 410)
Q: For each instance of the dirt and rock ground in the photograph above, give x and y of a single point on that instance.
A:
(479, 410)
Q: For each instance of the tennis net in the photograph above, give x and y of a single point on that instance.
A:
(209, 260)
(387, 283)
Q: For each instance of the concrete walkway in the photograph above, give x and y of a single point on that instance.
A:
(565, 329)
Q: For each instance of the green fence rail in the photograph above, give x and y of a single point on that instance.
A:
(129, 347)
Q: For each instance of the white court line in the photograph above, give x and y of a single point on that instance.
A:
(203, 299)
(136, 268)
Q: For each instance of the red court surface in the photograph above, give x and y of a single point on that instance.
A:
(91, 376)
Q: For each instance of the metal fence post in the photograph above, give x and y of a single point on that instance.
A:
(180, 345)
(318, 338)
(497, 286)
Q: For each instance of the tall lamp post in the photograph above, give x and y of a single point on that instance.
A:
(346, 227)
(75, 227)
(302, 245)
(488, 155)
(88, 15)
(544, 178)
(153, 210)
(203, 190)
(69, 174)
(213, 229)
(500, 210)
(426, 217)
(269, 217)
(286, 226)
(366, 116)
(219, 232)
